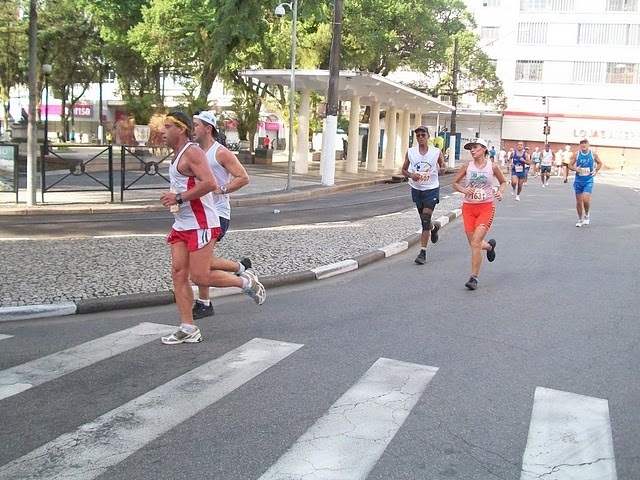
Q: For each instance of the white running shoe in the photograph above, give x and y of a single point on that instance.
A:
(182, 336)
(579, 224)
(255, 289)
(543, 185)
(586, 220)
(546, 183)
(517, 198)
(513, 192)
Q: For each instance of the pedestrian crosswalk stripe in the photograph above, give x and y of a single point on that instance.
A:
(4, 337)
(350, 438)
(569, 437)
(28, 375)
(94, 447)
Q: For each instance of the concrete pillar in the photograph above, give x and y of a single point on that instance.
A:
(354, 135)
(390, 151)
(302, 143)
(404, 133)
(417, 121)
(328, 163)
(374, 137)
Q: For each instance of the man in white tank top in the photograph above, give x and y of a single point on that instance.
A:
(196, 226)
(230, 176)
(422, 165)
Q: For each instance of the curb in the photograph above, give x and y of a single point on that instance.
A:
(141, 300)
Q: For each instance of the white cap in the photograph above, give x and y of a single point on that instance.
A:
(208, 117)
(477, 141)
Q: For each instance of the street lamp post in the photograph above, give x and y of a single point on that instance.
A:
(46, 69)
(292, 90)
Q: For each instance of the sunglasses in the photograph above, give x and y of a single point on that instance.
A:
(421, 134)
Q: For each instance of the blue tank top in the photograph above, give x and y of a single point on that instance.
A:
(518, 162)
(585, 164)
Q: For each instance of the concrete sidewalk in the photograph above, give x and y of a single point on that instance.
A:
(268, 184)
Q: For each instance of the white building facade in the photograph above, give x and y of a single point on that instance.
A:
(582, 56)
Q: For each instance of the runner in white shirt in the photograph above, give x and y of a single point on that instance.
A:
(422, 165)
(196, 226)
(230, 176)
(502, 157)
(546, 162)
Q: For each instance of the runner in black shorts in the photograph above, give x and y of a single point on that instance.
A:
(423, 163)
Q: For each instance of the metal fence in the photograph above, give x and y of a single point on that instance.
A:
(144, 168)
(90, 168)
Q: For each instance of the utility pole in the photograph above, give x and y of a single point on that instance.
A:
(329, 141)
(32, 126)
(454, 104)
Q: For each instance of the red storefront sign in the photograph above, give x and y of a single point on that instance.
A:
(79, 111)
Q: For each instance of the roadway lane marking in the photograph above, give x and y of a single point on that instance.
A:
(350, 438)
(94, 447)
(569, 437)
(132, 235)
(4, 337)
(31, 374)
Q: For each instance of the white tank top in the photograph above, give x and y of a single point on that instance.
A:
(223, 206)
(194, 214)
(426, 165)
(481, 179)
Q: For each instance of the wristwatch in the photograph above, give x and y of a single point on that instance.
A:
(179, 198)
(223, 189)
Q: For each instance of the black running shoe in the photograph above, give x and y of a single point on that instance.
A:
(200, 310)
(421, 258)
(247, 263)
(434, 233)
(472, 284)
(491, 254)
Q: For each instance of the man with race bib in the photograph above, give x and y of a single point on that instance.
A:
(422, 165)
(478, 207)
(546, 162)
(519, 161)
(586, 164)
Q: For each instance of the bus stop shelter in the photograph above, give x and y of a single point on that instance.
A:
(398, 101)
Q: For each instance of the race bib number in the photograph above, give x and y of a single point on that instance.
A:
(478, 195)
(424, 177)
(584, 171)
(519, 169)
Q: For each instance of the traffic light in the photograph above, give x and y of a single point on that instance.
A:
(546, 130)
(546, 121)
(544, 100)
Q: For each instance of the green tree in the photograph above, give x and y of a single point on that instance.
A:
(137, 77)
(69, 41)
(476, 75)
(14, 51)
(381, 36)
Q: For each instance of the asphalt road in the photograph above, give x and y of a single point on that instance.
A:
(555, 314)
(346, 205)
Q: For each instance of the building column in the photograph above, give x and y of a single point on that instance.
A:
(417, 121)
(354, 135)
(374, 137)
(302, 142)
(390, 151)
(404, 133)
